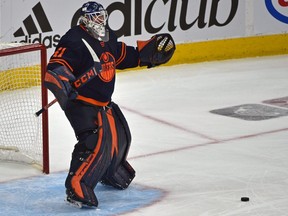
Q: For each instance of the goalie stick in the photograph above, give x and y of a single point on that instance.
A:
(83, 79)
(39, 112)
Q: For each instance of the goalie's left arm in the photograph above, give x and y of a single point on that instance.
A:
(158, 50)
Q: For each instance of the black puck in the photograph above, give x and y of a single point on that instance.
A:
(244, 199)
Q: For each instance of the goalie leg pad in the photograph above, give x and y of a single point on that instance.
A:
(76, 190)
(90, 160)
(121, 178)
(123, 131)
(120, 173)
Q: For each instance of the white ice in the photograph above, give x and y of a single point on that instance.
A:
(203, 161)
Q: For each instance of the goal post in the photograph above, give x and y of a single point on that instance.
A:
(23, 137)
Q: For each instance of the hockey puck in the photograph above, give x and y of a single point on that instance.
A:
(244, 199)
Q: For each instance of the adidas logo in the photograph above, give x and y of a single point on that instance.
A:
(33, 26)
(30, 24)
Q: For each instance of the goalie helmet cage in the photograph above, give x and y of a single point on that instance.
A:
(23, 137)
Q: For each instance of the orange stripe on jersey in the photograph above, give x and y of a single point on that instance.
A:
(91, 101)
(59, 52)
(76, 179)
(123, 54)
(112, 124)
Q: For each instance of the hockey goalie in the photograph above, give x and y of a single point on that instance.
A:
(103, 134)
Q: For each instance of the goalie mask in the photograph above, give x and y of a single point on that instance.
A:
(94, 18)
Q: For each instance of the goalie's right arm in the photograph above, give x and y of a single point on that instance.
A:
(58, 81)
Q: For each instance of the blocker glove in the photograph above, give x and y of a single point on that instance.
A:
(58, 81)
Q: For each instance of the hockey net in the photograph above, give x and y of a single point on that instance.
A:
(23, 137)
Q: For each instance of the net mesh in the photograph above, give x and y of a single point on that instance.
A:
(20, 96)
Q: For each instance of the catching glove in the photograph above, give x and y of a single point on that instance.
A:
(156, 51)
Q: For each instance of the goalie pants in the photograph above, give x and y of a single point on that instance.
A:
(100, 155)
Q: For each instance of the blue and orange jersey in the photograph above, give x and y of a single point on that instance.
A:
(73, 53)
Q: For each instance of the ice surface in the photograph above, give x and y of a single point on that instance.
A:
(198, 163)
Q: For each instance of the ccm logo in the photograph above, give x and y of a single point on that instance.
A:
(85, 77)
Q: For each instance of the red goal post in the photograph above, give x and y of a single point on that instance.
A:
(23, 137)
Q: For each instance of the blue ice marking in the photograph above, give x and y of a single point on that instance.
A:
(45, 195)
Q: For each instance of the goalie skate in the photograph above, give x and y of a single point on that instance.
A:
(73, 201)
